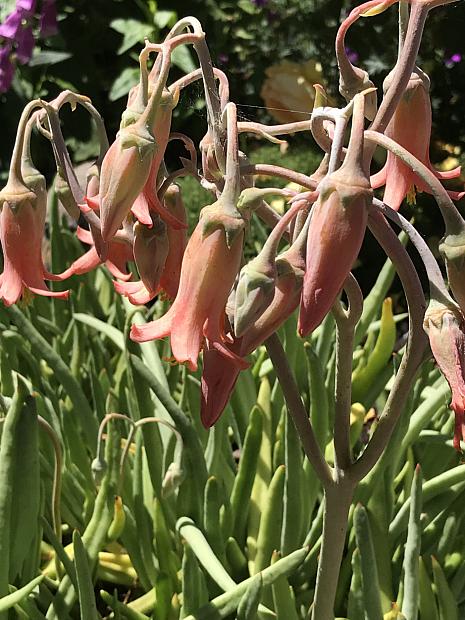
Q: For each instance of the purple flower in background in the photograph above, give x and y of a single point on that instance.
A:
(25, 45)
(27, 6)
(452, 60)
(6, 69)
(48, 19)
(18, 35)
(260, 3)
(352, 55)
(12, 25)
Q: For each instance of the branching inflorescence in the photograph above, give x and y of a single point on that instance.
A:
(131, 210)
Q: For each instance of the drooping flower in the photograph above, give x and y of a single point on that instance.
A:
(150, 249)
(125, 170)
(131, 164)
(410, 126)
(445, 327)
(119, 253)
(209, 267)
(220, 373)
(337, 229)
(23, 203)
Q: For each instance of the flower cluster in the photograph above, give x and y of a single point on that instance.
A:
(17, 38)
(222, 310)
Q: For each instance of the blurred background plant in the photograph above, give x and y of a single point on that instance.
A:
(94, 51)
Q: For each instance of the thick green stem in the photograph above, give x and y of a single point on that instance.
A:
(346, 322)
(297, 410)
(338, 498)
(413, 354)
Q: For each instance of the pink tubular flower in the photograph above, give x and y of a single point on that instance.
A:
(23, 203)
(411, 128)
(446, 331)
(177, 240)
(336, 231)
(125, 170)
(209, 267)
(22, 223)
(119, 253)
(219, 376)
(220, 373)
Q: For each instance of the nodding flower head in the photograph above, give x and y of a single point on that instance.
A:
(210, 265)
(410, 127)
(125, 170)
(220, 372)
(452, 249)
(445, 328)
(336, 231)
(119, 253)
(22, 223)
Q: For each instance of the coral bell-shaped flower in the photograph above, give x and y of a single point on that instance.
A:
(125, 170)
(150, 252)
(446, 331)
(177, 241)
(220, 372)
(336, 231)
(133, 160)
(119, 253)
(209, 267)
(411, 128)
(22, 222)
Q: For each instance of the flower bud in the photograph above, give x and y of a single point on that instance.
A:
(125, 170)
(150, 252)
(173, 479)
(356, 81)
(445, 328)
(254, 293)
(98, 468)
(452, 249)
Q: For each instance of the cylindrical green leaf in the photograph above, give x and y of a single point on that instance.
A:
(269, 534)
(411, 596)
(369, 569)
(87, 605)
